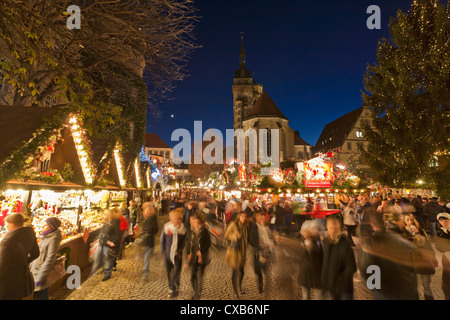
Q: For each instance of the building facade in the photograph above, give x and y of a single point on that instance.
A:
(344, 135)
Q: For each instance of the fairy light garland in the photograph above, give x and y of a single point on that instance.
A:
(138, 176)
(119, 166)
(78, 134)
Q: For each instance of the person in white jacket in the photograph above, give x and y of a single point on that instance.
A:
(350, 221)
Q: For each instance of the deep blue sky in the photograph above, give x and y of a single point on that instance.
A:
(310, 57)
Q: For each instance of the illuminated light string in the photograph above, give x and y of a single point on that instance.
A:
(119, 165)
(78, 134)
(138, 177)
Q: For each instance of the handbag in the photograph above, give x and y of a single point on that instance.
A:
(57, 272)
(142, 239)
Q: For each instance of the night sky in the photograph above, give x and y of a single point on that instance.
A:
(310, 57)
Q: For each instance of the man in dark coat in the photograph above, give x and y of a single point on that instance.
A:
(339, 262)
(310, 259)
(149, 230)
(260, 238)
(279, 217)
(431, 209)
(365, 212)
(389, 251)
(17, 249)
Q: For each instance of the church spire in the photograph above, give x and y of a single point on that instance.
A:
(242, 72)
(242, 53)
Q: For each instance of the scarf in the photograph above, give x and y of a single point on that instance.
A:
(173, 231)
(43, 234)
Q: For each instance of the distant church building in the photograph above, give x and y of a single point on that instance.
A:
(254, 109)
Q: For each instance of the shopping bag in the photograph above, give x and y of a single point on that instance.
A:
(57, 272)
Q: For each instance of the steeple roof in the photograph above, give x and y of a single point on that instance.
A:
(265, 107)
(242, 72)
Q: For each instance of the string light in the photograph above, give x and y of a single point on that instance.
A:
(78, 134)
(119, 166)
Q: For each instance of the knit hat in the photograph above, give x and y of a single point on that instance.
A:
(444, 215)
(53, 222)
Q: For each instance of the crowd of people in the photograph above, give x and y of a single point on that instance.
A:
(399, 236)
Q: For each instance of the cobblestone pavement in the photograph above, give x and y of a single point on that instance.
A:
(126, 283)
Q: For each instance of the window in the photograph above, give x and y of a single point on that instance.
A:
(349, 145)
(269, 143)
(359, 134)
(300, 155)
(167, 155)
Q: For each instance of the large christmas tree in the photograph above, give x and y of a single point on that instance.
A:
(408, 90)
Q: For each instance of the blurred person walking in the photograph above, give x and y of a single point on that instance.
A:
(172, 242)
(310, 259)
(425, 260)
(261, 239)
(443, 245)
(339, 262)
(392, 254)
(49, 242)
(146, 239)
(198, 253)
(350, 221)
(108, 244)
(18, 248)
(236, 237)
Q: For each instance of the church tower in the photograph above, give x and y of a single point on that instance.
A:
(245, 91)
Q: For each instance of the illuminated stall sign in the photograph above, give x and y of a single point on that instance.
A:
(318, 173)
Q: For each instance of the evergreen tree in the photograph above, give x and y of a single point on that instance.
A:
(408, 90)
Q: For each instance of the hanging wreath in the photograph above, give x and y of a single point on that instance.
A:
(289, 176)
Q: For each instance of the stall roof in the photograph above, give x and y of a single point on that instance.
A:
(18, 124)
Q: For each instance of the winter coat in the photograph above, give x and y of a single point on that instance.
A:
(110, 231)
(393, 255)
(431, 210)
(310, 261)
(199, 242)
(424, 257)
(263, 253)
(17, 249)
(134, 214)
(187, 213)
(149, 230)
(443, 245)
(237, 246)
(49, 248)
(167, 243)
(338, 267)
(279, 214)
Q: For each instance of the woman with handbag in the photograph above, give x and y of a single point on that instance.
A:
(236, 238)
(41, 268)
(108, 243)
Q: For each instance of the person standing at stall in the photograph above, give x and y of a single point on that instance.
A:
(49, 242)
(18, 249)
(236, 237)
